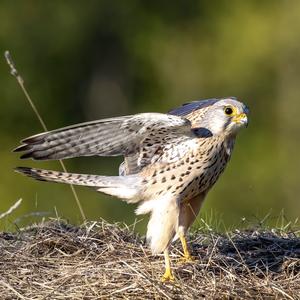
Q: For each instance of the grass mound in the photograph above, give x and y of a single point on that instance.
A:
(55, 260)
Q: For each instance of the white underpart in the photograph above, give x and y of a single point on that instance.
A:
(177, 151)
(163, 221)
(146, 207)
(127, 193)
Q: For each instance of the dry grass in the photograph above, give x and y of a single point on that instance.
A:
(55, 260)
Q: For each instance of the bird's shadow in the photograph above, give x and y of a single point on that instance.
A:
(256, 252)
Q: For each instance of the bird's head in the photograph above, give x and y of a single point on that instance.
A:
(226, 116)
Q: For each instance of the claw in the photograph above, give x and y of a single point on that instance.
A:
(168, 277)
(187, 259)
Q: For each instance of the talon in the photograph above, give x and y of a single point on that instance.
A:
(167, 277)
(187, 259)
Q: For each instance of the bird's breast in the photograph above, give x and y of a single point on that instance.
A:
(195, 169)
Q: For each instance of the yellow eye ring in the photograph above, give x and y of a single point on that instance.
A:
(229, 110)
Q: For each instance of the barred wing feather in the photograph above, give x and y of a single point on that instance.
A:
(107, 137)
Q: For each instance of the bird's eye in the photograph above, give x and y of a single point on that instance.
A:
(228, 110)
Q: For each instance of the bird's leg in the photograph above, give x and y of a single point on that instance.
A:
(168, 276)
(187, 257)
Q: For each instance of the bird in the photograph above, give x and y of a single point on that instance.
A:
(171, 161)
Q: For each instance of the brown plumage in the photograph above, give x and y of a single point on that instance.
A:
(170, 161)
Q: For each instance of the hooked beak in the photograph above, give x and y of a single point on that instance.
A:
(241, 119)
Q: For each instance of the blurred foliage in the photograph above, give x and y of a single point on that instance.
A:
(83, 60)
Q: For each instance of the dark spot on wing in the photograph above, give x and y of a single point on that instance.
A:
(202, 132)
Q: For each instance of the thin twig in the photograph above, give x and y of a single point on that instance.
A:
(282, 292)
(12, 208)
(20, 80)
(2, 282)
(106, 261)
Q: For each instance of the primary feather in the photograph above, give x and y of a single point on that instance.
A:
(128, 136)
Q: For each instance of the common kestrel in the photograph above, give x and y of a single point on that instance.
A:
(171, 161)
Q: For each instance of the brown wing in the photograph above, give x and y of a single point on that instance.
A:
(139, 138)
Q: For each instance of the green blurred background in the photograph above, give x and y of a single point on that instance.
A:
(83, 60)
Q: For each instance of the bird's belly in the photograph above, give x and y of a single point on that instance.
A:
(184, 181)
(203, 178)
(187, 177)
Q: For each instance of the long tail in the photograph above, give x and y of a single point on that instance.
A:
(124, 187)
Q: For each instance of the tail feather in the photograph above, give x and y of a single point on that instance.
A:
(124, 187)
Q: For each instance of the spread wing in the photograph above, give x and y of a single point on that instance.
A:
(138, 137)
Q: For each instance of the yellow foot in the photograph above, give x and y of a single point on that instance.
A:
(168, 277)
(187, 259)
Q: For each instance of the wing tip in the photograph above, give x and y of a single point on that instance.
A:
(30, 152)
(21, 148)
(34, 138)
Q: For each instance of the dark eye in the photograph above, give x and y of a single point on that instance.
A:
(228, 111)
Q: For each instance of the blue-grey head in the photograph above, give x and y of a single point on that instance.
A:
(217, 116)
